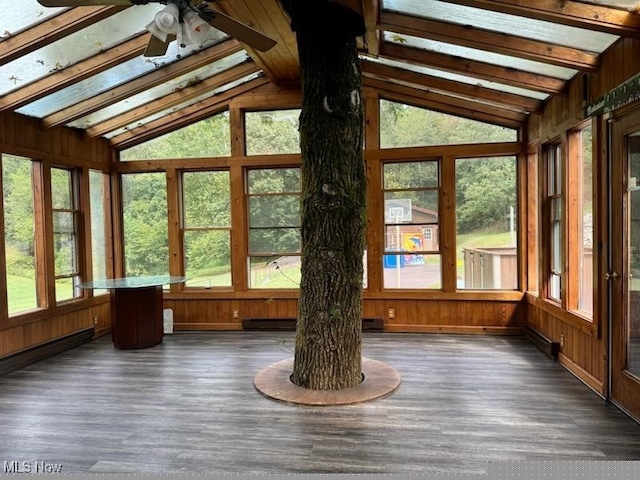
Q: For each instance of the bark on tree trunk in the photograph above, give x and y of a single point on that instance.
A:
(333, 209)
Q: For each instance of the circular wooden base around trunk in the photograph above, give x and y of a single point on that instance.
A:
(379, 381)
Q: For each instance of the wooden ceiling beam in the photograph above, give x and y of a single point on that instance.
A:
(184, 117)
(75, 73)
(445, 104)
(598, 18)
(473, 68)
(442, 85)
(472, 37)
(55, 28)
(138, 85)
(172, 100)
(372, 37)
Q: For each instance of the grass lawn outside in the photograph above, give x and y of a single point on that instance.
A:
(21, 294)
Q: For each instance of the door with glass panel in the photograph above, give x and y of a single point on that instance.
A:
(624, 274)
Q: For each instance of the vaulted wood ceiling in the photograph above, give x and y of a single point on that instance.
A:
(492, 60)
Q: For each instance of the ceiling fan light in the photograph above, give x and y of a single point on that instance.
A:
(197, 27)
(156, 32)
(167, 19)
(184, 36)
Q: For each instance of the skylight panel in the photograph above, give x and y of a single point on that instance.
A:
(104, 81)
(75, 47)
(161, 91)
(481, 56)
(460, 78)
(24, 14)
(503, 23)
(186, 104)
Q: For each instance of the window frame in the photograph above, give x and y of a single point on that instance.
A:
(77, 212)
(248, 195)
(184, 229)
(438, 161)
(574, 220)
(553, 206)
(514, 220)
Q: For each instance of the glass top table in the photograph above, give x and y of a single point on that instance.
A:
(133, 282)
(136, 308)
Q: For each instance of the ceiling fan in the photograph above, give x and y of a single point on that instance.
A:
(185, 20)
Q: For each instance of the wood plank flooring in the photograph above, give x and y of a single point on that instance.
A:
(189, 405)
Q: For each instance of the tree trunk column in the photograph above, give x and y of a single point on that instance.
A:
(333, 212)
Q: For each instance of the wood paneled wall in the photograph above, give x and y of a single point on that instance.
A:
(27, 334)
(409, 315)
(24, 136)
(583, 344)
(20, 135)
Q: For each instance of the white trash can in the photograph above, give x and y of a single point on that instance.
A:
(167, 319)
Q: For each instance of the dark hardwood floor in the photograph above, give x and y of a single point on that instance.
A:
(189, 405)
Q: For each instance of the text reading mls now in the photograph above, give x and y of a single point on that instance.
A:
(28, 466)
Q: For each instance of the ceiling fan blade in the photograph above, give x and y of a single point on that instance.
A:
(78, 3)
(157, 47)
(240, 31)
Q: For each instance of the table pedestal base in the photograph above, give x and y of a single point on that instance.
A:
(136, 317)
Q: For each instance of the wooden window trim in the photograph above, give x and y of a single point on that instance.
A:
(574, 223)
(177, 248)
(548, 194)
(77, 210)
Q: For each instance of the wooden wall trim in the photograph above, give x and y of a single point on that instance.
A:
(474, 296)
(398, 328)
(46, 313)
(579, 372)
(447, 221)
(208, 163)
(239, 242)
(4, 300)
(453, 329)
(444, 329)
(531, 211)
(472, 150)
(269, 97)
(175, 241)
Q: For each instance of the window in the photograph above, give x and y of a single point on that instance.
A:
(272, 132)
(487, 256)
(207, 229)
(533, 227)
(144, 216)
(411, 259)
(20, 241)
(274, 227)
(207, 138)
(554, 221)
(580, 222)
(408, 126)
(100, 220)
(65, 209)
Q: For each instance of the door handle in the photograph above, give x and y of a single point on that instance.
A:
(611, 275)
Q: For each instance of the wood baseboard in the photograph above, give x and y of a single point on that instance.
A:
(588, 379)
(409, 328)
